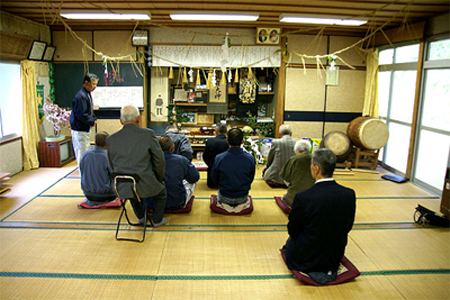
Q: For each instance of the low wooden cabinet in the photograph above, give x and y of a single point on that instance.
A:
(56, 154)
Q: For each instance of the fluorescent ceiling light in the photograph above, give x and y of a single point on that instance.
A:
(327, 20)
(100, 15)
(213, 16)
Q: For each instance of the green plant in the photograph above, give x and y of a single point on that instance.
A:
(262, 129)
(176, 115)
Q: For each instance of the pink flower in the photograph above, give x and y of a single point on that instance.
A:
(59, 117)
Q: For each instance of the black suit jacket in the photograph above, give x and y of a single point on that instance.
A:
(214, 146)
(319, 222)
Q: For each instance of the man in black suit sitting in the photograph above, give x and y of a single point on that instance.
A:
(215, 146)
(319, 222)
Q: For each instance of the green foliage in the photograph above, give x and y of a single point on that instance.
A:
(263, 129)
(179, 115)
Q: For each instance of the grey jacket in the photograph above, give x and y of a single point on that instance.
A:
(135, 150)
(280, 152)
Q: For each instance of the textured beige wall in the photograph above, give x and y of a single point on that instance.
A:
(70, 49)
(309, 45)
(11, 157)
(306, 129)
(113, 43)
(330, 126)
(304, 92)
(353, 56)
(348, 96)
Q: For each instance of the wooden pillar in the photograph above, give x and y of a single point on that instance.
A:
(279, 117)
(415, 118)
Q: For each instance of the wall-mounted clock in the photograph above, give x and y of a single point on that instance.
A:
(140, 38)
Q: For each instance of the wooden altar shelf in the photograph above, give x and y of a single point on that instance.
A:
(364, 158)
(4, 187)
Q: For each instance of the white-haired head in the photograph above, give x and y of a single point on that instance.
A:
(302, 146)
(284, 129)
(129, 113)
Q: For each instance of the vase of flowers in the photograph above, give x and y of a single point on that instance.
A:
(59, 117)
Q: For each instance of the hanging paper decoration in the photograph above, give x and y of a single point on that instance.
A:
(209, 84)
(332, 59)
(185, 80)
(105, 66)
(191, 75)
(171, 73)
(250, 73)
(230, 76)
(224, 78)
(214, 78)
(198, 78)
(236, 76)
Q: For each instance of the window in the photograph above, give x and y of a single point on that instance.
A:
(433, 138)
(11, 100)
(396, 93)
(396, 90)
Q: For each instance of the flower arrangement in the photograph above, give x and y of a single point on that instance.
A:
(59, 117)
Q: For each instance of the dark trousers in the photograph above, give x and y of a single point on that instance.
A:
(159, 203)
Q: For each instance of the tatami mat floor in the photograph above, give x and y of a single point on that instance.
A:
(50, 249)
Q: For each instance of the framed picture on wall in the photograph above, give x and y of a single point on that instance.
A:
(37, 50)
(49, 53)
(192, 116)
(268, 36)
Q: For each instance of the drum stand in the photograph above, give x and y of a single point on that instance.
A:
(365, 158)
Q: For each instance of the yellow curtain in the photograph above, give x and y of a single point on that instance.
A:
(371, 92)
(30, 116)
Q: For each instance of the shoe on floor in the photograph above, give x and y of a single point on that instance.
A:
(163, 222)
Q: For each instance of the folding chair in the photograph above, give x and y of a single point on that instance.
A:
(130, 179)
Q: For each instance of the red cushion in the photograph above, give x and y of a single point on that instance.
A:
(276, 185)
(349, 274)
(213, 207)
(185, 209)
(112, 204)
(282, 205)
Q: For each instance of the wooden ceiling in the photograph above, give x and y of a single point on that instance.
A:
(386, 13)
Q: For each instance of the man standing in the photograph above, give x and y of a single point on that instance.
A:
(96, 181)
(319, 222)
(281, 150)
(233, 171)
(215, 146)
(82, 117)
(136, 151)
(181, 142)
(180, 176)
(296, 172)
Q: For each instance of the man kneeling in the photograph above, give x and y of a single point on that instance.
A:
(319, 222)
(233, 171)
(180, 176)
(95, 172)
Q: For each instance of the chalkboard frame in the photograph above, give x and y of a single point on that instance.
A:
(68, 78)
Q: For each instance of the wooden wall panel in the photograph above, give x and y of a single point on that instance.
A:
(70, 49)
(331, 126)
(348, 96)
(309, 45)
(113, 43)
(306, 129)
(304, 92)
(353, 56)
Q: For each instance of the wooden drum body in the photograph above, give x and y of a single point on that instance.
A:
(339, 143)
(368, 133)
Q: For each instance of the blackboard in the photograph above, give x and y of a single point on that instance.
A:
(68, 80)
